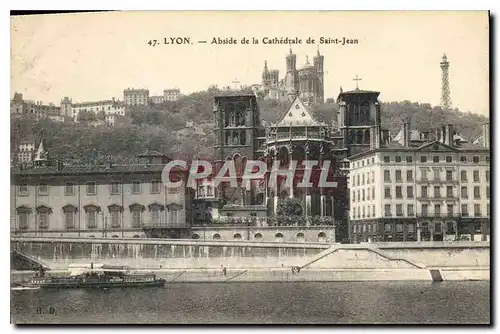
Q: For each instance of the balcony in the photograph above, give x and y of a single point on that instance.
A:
(160, 223)
(438, 198)
(440, 181)
(438, 215)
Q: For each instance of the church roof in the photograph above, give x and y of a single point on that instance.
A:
(149, 153)
(297, 114)
(355, 92)
(41, 154)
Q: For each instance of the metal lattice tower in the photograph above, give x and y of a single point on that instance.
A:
(445, 84)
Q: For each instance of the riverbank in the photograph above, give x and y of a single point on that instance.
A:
(305, 275)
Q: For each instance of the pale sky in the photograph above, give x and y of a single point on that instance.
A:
(95, 56)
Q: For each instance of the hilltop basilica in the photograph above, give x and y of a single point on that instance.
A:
(306, 82)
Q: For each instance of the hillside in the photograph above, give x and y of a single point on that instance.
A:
(163, 128)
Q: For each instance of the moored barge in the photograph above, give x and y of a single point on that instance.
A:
(97, 276)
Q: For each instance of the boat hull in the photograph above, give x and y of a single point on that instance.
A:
(96, 285)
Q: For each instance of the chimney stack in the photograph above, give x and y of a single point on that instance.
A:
(486, 135)
(385, 137)
(374, 138)
(448, 134)
(406, 134)
(425, 136)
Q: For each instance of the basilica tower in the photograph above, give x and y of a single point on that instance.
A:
(291, 74)
(318, 65)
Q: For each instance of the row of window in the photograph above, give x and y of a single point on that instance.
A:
(423, 159)
(424, 193)
(96, 108)
(360, 179)
(437, 227)
(91, 219)
(437, 175)
(300, 237)
(115, 188)
(365, 212)
(357, 181)
(361, 195)
(436, 159)
(205, 191)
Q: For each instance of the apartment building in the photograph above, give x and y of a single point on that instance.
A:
(426, 187)
(171, 94)
(136, 97)
(115, 201)
(20, 108)
(108, 107)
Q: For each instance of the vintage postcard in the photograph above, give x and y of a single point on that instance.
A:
(250, 167)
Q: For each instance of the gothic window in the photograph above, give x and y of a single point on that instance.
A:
(359, 137)
(367, 136)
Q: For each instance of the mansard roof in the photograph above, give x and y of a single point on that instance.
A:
(432, 146)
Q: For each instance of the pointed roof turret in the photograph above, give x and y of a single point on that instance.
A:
(266, 75)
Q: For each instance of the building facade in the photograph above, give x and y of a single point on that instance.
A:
(108, 107)
(26, 151)
(240, 137)
(431, 187)
(136, 97)
(157, 99)
(172, 94)
(306, 82)
(51, 199)
(20, 108)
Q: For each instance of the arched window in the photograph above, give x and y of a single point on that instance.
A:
(257, 236)
(300, 237)
(322, 237)
(237, 236)
(136, 236)
(115, 236)
(216, 236)
(279, 237)
(195, 236)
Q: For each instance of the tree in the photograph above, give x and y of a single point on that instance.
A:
(101, 115)
(86, 116)
(289, 207)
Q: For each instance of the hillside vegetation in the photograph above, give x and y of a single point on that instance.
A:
(163, 128)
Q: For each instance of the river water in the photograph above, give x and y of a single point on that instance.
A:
(260, 303)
